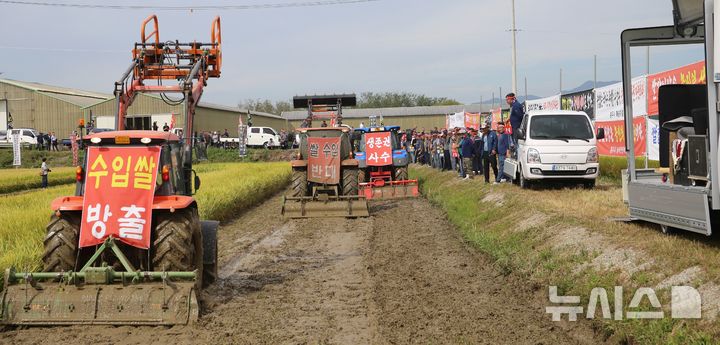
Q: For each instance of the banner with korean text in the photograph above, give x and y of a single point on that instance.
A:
(324, 160)
(378, 148)
(614, 142)
(119, 189)
(653, 137)
(456, 120)
(609, 100)
(472, 120)
(689, 74)
(580, 101)
(547, 103)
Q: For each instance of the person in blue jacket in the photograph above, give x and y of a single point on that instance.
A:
(516, 114)
(504, 143)
(466, 154)
(489, 152)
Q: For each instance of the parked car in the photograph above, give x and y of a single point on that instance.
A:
(263, 136)
(28, 136)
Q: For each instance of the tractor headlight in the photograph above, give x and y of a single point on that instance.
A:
(592, 155)
(533, 156)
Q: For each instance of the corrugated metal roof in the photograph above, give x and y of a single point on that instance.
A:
(398, 111)
(55, 89)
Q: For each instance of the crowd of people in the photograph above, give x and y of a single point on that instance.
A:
(468, 151)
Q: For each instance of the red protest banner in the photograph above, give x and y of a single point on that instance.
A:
(119, 189)
(472, 120)
(324, 160)
(378, 148)
(614, 142)
(689, 74)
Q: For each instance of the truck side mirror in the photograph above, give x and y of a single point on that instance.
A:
(600, 133)
(197, 182)
(521, 133)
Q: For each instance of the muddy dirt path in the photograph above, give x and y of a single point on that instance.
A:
(402, 276)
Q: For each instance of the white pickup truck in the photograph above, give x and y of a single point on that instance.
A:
(555, 145)
(258, 137)
(28, 136)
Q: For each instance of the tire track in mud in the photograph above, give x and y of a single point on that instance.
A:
(401, 276)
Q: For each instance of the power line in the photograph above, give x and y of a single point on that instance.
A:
(189, 8)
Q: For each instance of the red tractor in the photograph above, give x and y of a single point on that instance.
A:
(129, 247)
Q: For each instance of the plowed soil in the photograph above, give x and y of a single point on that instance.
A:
(403, 275)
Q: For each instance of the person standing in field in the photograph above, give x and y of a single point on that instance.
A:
(489, 146)
(44, 170)
(504, 143)
(477, 153)
(466, 152)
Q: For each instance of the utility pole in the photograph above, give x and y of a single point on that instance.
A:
(561, 81)
(493, 100)
(525, 89)
(595, 71)
(514, 52)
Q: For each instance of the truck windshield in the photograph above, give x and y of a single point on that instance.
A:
(560, 127)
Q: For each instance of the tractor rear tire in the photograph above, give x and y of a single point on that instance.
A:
(350, 181)
(299, 182)
(401, 173)
(61, 242)
(177, 242)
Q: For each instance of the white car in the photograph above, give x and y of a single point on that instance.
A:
(263, 136)
(555, 145)
(28, 136)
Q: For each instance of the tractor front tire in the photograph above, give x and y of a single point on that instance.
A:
(299, 182)
(350, 181)
(61, 242)
(177, 242)
(401, 173)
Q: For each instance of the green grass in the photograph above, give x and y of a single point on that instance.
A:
(610, 167)
(492, 227)
(33, 158)
(227, 190)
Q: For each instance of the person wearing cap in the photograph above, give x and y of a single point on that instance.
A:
(489, 152)
(504, 142)
(516, 114)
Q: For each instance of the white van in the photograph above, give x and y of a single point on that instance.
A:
(555, 145)
(263, 136)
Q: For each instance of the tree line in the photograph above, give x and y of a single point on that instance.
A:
(365, 100)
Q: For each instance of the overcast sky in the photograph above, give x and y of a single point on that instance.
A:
(452, 48)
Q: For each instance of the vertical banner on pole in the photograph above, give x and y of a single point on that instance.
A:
(17, 153)
(242, 138)
(74, 148)
(653, 139)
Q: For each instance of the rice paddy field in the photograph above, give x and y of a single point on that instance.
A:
(226, 190)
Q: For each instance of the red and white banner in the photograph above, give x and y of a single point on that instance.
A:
(688, 74)
(547, 103)
(614, 142)
(496, 116)
(472, 120)
(609, 104)
(119, 189)
(378, 149)
(324, 160)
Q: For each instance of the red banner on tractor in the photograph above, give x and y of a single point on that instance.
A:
(119, 189)
(324, 160)
(378, 148)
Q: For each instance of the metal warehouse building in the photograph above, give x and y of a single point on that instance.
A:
(405, 117)
(52, 108)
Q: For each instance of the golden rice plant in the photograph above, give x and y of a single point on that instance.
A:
(226, 190)
(15, 180)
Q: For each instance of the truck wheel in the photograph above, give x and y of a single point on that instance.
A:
(401, 173)
(522, 181)
(61, 242)
(299, 182)
(350, 181)
(266, 145)
(177, 242)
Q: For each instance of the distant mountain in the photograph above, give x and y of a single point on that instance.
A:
(589, 85)
(584, 86)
